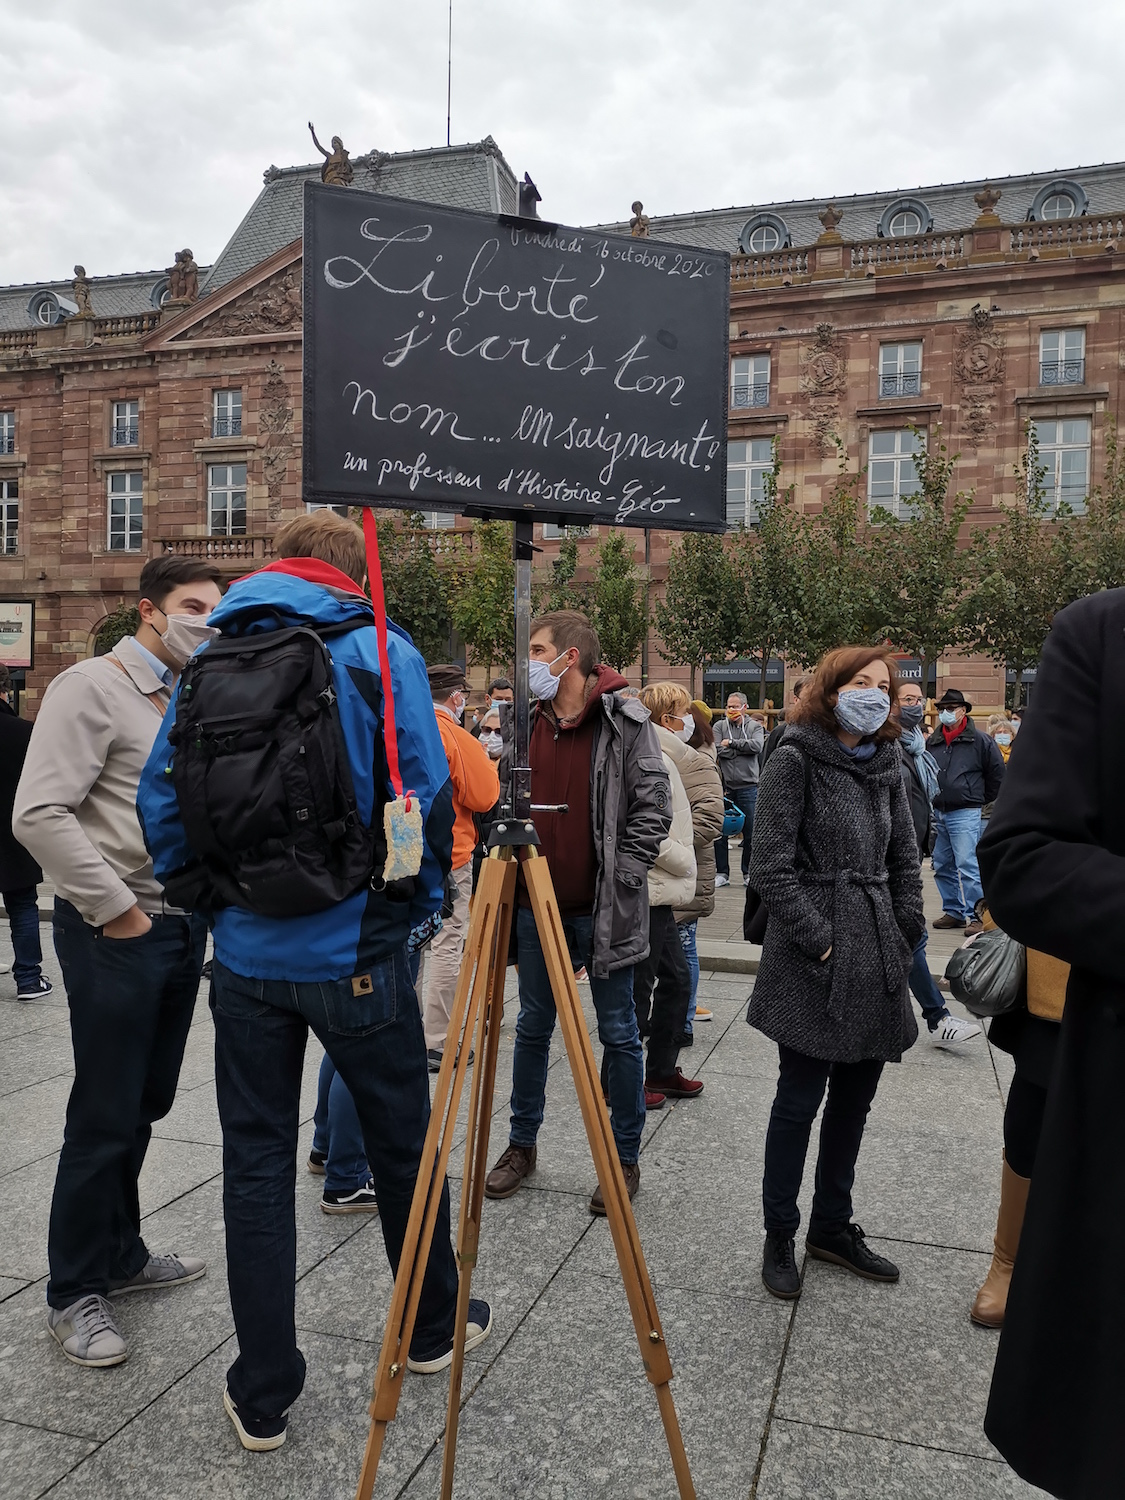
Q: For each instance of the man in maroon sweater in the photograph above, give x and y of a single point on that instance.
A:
(595, 751)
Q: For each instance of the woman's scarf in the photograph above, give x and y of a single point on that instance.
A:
(914, 742)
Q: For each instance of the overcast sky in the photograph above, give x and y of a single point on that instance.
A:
(134, 127)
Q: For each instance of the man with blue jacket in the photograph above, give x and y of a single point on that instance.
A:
(343, 972)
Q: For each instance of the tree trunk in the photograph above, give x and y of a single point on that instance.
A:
(691, 670)
(762, 679)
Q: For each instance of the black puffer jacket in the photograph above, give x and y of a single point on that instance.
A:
(836, 863)
(970, 768)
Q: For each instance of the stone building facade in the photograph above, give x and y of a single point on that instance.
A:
(151, 425)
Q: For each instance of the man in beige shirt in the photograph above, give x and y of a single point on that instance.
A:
(130, 964)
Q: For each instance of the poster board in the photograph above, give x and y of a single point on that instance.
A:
(17, 634)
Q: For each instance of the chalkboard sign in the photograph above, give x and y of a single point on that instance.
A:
(483, 364)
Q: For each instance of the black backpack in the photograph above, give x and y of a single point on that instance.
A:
(262, 778)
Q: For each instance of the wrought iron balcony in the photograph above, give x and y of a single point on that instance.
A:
(7, 442)
(124, 436)
(226, 427)
(750, 395)
(909, 384)
(1062, 371)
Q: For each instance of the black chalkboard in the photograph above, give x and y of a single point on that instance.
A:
(470, 362)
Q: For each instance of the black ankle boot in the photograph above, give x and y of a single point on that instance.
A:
(847, 1247)
(779, 1267)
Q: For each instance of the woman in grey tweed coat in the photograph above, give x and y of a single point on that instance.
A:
(836, 863)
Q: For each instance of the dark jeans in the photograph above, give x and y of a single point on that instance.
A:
(662, 1011)
(745, 797)
(337, 1133)
(926, 992)
(22, 907)
(376, 1045)
(131, 1002)
(800, 1088)
(617, 1029)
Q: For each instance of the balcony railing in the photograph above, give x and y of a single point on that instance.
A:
(124, 436)
(126, 325)
(907, 384)
(750, 395)
(907, 252)
(1062, 234)
(220, 548)
(1062, 371)
(226, 426)
(772, 265)
(7, 442)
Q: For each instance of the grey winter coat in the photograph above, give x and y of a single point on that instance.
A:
(704, 788)
(836, 863)
(631, 807)
(739, 747)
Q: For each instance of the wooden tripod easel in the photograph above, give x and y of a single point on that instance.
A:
(477, 1009)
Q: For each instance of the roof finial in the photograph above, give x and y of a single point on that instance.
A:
(830, 217)
(986, 200)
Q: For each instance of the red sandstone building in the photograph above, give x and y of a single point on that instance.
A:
(147, 426)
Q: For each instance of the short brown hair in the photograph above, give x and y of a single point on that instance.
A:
(324, 535)
(662, 698)
(160, 575)
(834, 670)
(571, 631)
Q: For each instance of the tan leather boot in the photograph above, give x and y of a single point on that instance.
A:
(992, 1299)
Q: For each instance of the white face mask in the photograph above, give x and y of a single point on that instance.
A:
(541, 680)
(688, 729)
(457, 709)
(493, 744)
(184, 634)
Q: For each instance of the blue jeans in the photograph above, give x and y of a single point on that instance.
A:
(375, 1042)
(955, 861)
(337, 1133)
(22, 907)
(617, 1030)
(926, 992)
(691, 953)
(745, 797)
(131, 1002)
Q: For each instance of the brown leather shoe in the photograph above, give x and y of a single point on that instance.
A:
(945, 920)
(973, 928)
(515, 1164)
(632, 1172)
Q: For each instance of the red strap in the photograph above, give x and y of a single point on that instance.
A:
(378, 602)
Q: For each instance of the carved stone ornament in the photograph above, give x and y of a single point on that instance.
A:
(830, 218)
(274, 307)
(986, 200)
(337, 170)
(824, 377)
(979, 364)
(638, 224)
(275, 422)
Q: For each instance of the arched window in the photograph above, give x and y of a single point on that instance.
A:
(904, 218)
(1059, 200)
(160, 292)
(45, 308)
(763, 233)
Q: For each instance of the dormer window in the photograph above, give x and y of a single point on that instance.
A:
(763, 233)
(45, 309)
(905, 218)
(1059, 200)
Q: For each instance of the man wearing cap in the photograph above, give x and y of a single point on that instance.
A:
(476, 788)
(970, 770)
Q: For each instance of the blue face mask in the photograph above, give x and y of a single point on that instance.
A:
(862, 710)
(948, 717)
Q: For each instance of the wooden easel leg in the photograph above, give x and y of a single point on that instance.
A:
(474, 980)
(595, 1117)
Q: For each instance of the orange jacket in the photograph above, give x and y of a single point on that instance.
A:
(476, 785)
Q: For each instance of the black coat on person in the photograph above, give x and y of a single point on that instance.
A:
(970, 768)
(17, 868)
(1053, 863)
(835, 861)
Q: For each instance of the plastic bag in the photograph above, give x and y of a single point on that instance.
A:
(734, 818)
(988, 974)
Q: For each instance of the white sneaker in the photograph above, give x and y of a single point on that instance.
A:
(952, 1030)
(722, 880)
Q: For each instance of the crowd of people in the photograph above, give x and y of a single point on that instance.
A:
(203, 778)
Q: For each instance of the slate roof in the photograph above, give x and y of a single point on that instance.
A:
(472, 176)
(110, 296)
(951, 205)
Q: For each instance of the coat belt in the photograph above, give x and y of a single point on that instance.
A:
(855, 894)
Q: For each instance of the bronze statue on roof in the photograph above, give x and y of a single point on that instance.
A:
(638, 224)
(337, 170)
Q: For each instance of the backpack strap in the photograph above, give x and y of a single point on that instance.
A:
(378, 603)
(159, 700)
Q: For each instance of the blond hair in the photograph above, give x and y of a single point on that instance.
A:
(324, 535)
(662, 698)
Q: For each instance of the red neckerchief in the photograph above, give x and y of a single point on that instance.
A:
(952, 731)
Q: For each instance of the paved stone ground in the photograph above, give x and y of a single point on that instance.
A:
(857, 1391)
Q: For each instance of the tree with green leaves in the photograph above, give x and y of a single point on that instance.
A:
(694, 619)
(120, 622)
(614, 601)
(1022, 572)
(417, 583)
(559, 590)
(484, 609)
(919, 569)
(1098, 552)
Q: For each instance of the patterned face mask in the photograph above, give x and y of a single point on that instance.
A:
(862, 710)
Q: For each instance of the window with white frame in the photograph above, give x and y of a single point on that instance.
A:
(226, 413)
(226, 499)
(9, 516)
(750, 381)
(1058, 206)
(905, 223)
(438, 520)
(892, 475)
(1062, 356)
(7, 432)
(748, 465)
(339, 510)
(553, 533)
(1064, 458)
(764, 238)
(125, 512)
(125, 431)
(900, 369)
